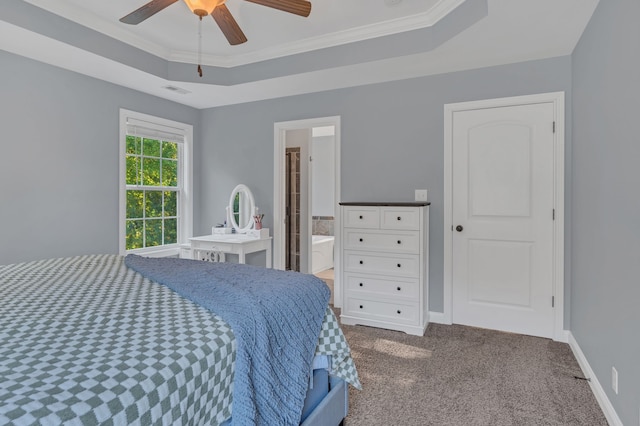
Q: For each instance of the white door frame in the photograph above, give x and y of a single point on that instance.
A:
(279, 188)
(557, 98)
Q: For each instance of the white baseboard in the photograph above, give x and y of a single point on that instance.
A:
(596, 387)
(563, 336)
(438, 318)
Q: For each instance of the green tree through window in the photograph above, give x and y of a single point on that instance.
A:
(152, 192)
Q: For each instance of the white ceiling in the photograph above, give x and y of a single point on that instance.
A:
(513, 31)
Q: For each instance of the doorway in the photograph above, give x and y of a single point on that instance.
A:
(289, 177)
(504, 181)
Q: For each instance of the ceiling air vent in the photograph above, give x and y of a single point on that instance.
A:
(176, 89)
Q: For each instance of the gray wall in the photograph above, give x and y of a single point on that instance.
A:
(392, 140)
(59, 151)
(606, 200)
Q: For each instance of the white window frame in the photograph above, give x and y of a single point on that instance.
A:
(185, 172)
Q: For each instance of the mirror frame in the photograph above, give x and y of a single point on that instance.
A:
(241, 188)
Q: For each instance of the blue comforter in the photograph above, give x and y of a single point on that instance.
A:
(276, 317)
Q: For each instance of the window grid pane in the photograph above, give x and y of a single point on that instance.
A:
(170, 150)
(152, 213)
(133, 145)
(150, 171)
(169, 173)
(133, 169)
(151, 148)
(170, 204)
(152, 218)
(153, 205)
(170, 231)
(135, 234)
(152, 232)
(135, 203)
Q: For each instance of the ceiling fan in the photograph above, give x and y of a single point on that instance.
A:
(219, 12)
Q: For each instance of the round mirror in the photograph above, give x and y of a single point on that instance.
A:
(241, 209)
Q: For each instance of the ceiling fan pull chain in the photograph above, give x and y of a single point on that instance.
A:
(200, 46)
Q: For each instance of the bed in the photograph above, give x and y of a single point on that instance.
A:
(88, 340)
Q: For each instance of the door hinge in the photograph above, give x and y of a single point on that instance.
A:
(553, 301)
(310, 159)
(554, 127)
(553, 214)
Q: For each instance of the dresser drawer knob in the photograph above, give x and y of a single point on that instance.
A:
(399, 311)
(362, 262)
(361, 217)
(361, 306)
(399, 265)
(361, 285)
(399, 288)
(399, 218)
(399, 242)
(361, 240)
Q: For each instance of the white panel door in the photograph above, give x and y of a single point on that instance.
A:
(503, 192)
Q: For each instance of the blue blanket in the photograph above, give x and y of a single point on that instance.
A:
(276, 317)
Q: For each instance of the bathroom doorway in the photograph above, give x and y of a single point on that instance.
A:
(323, 204)
(306, 195)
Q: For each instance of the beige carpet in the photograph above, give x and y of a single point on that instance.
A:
(458, 376)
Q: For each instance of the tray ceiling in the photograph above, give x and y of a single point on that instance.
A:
(341, 44)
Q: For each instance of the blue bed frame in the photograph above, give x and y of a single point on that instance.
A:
(326, 403)
(332, 409)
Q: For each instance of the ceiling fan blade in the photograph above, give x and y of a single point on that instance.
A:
(297, 7)
(228, 25)
(146, 11)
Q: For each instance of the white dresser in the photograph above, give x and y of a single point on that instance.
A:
(385, 265)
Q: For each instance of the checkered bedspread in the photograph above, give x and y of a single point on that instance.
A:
(85, 340)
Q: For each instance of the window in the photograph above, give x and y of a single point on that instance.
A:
(155, 176)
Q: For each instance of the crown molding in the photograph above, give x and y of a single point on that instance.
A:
(83, 17)
(414, 22)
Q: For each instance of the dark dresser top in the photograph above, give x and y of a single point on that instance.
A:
(390, 204)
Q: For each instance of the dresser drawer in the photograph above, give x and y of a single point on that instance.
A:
(398, 241)
(405, 218)
(212, 246)
(395, 265)
(361, 217)
(379, 286)
(406, 313)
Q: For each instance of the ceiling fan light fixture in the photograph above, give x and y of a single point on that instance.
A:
(203, 7)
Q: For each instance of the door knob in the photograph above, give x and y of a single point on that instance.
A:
(459, 228)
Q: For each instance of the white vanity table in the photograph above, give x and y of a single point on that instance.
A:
(245, 239)
(240, 244)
